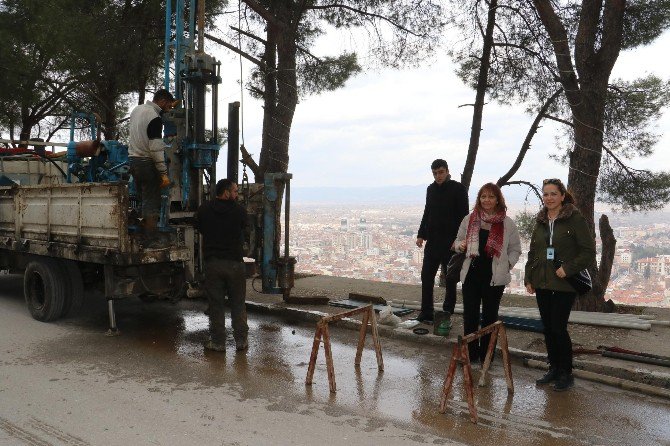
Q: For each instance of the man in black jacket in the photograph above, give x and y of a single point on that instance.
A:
(446, 206)
(222, 222)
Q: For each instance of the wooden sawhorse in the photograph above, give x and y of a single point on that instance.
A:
(461, 356)
(323, 331)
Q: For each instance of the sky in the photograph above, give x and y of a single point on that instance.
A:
(385, 127)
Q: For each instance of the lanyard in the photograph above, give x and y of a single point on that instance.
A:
(551, 231)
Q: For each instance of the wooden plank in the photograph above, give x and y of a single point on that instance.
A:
(367, 298)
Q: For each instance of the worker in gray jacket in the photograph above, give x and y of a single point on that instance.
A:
(147, 158)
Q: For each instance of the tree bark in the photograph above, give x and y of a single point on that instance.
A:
(482, 84)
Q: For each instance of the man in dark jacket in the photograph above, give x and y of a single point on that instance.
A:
(222, 222)
(446, 206)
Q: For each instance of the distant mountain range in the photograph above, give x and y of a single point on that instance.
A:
(415, 195)
(516, 198)
(410, 195)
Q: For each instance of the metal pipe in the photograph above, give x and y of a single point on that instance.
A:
(233, 140)
(178, 49)
(287, 207)
(215, 130)
(168, 27)
(113, 330)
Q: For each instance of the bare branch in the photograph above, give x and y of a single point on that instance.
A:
(561, 120)
(236, 50)
(529, 137)
(531, 185)
(263, 41)
(365, 13)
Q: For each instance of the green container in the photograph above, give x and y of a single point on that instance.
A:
(441, 323)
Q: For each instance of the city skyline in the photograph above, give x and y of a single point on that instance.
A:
(378, 244)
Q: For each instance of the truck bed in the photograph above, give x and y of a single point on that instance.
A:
(83, 221)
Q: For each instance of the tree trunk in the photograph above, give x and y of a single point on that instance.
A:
(269, 100)
(482, 84)
(585, 159)
(27, 123)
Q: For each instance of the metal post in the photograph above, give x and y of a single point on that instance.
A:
(287, 265)
(113, 330)
(233, 140)
(168, 27)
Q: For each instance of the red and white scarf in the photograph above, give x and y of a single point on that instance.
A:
(494, 243)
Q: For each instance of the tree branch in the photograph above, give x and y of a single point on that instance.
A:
(236, 50)
(264, 13)
(561, 120)
(249, 161)
(263, 41)
(612, 33)
(559, 40)
(365, 13)
(531, 185)
(535, 54)
(529, 137)
(587, 30)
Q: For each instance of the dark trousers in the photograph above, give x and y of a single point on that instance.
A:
(226, 277)
(476, 294)
(432, 259)
(555, 309)
(147, 183)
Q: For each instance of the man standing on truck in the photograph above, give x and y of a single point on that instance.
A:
(222, 223)
(146, 152)
(446, 205)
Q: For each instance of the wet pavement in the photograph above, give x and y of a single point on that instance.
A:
(67, 383)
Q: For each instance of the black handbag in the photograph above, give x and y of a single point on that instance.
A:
(453, 272)
(581, 281)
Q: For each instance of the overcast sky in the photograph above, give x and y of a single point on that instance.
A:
(385, 127)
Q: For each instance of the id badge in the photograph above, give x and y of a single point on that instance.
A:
(550, 253)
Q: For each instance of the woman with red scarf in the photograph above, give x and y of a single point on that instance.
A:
(492, 246)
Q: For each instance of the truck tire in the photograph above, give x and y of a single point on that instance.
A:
(44, 289)
(74, 286)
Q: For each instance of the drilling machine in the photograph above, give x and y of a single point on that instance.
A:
(191, 154)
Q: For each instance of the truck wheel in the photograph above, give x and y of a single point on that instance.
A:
(44, 289)
(74, 286)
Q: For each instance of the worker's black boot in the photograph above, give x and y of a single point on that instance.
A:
(564, 381)
(549, 377)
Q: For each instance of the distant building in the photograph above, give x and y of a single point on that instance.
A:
(659, 265)
(623, 258)
(366, 241)
(344, 225)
